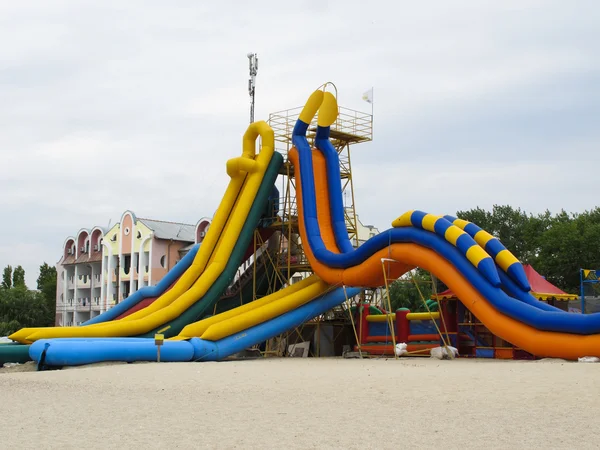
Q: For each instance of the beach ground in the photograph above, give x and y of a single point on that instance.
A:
(304, 403)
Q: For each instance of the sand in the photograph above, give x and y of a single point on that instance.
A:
(304, 403)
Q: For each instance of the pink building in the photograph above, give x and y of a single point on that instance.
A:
(99, 268)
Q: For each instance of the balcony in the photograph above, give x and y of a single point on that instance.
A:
(83, 281)
(67, 305)
(71, 282)
(96, 304)
(83, 304)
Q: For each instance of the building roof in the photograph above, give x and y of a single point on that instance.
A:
(171, 230)
(95, 256)
(69, 260)
(541, 288)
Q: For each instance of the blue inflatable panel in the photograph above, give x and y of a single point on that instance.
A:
(381, 329)
(484, 353)
(148, 291)
(67, 352)
(214, 351)
(422, 327)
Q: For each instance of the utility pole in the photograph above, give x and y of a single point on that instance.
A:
(253, 61)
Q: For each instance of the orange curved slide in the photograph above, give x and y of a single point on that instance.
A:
(408, 256)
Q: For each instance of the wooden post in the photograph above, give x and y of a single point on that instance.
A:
(159, 340)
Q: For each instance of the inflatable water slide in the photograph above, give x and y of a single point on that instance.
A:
(483, 274)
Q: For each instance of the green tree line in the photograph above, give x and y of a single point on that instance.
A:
(556, 245)
(21, 307)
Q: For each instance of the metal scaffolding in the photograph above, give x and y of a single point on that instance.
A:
(351, 127)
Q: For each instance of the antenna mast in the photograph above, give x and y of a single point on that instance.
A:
(253, 61)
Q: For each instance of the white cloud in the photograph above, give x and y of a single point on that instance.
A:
(138, 105)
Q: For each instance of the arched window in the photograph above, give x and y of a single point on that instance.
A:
(163, 261)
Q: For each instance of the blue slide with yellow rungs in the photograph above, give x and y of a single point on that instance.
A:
(457, 237)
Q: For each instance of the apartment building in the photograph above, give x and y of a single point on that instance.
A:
(101, 267)
(79, 272)
(364, 232)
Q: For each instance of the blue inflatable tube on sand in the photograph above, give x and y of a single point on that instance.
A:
(74, 352)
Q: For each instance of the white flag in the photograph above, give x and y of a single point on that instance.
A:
(368, 96)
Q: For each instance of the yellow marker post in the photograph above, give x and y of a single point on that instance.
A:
(159, 339)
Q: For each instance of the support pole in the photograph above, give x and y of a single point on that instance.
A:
(348, 306)
(389, 307)
(253, 61)
(582, 291)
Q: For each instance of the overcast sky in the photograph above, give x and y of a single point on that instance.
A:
(113, 105)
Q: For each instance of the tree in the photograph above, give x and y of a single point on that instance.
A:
(46, 284)
(23, 308)
(47, 275)
(557, 245)
(19, 277)
(404, 293)
(7, 277)
(571, 243)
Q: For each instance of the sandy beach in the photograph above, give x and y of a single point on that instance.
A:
(304, 403)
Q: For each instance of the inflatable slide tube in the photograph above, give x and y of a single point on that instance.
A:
(37, 347)
(266, 312)
(13, 352)
(75, 352)
(215, 351)
(493, 247)
(206, 304)
(147, 291)
(338, 219)
(197, 329)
